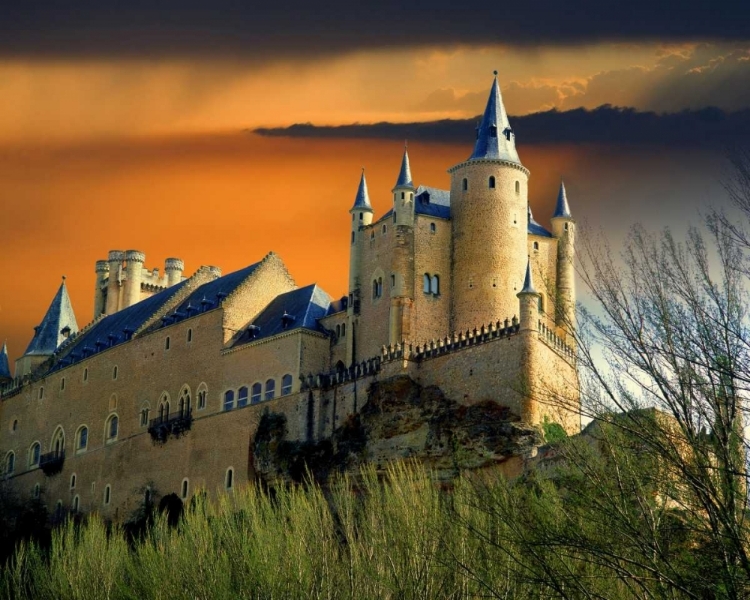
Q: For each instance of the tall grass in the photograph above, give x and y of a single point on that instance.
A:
(400, 536)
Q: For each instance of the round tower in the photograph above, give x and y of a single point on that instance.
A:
(489, 197)
(173, 267)
(114, 259)
(362, 213)
(401, 282)
(528, 326)
(131, 293)
(563, 228)
(102, 272)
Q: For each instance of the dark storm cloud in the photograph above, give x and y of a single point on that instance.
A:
(606, 124)
(273, 29)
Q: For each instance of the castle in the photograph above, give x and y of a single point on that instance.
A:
(164, 389)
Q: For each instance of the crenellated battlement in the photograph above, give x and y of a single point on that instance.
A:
(554, 341)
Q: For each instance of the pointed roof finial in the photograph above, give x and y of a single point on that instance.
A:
(528, 282)
(404, 175)
(362, 200)
(4, 364)
(495, 138)
(562, 209)
(48, 335)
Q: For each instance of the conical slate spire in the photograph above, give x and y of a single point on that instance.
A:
(562, 209)
(4, 365)
(404, 176)
(528, 282)
(495, 138)
(60, 317)
(362, 201)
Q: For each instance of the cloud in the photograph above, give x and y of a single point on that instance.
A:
(607, 124)
(303, 28)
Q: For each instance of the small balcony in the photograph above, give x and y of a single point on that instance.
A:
(174, 424)
(52, 462)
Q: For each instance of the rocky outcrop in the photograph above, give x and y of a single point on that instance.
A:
(401, 420)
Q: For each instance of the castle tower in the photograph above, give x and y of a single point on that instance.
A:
(362, 214)
(489, 200)
(114, 259)
(5, 376)
(402, 259)
(563, 228)
(173, 267)
(528, 299)
(58, 324)
(102, 272)
(133, 274)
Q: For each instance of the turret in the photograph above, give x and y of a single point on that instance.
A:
(489, 200)
(403, 194)
(173, 267)
(133, 274)
(401, 279)
(362, 213)
(5, 376)
(115, 278)
(563, 228)
(528, 299)
(102, 272)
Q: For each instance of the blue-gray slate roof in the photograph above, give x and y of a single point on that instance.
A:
(4, 364)
(49, 334)
(495, 138)
(535, 228)
(432, 202)
(362, 200)
(297, 309)
(561, 208)
(404, 175)
(528, 282)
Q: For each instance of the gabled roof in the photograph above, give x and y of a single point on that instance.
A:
(432, 202)
(298, 309)
(535, 228)
(404, 175)
(48, 335)
(561, 208)
(495, 138)
(4, 364)
(362, 200)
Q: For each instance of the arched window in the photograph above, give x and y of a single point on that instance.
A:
(566, 227)
(184, 494)
(35, 453)
(433, 228)
(58, 441)
(361, 216)
(465, 184)
(374, 288)
(242, 397)
(76, 504)
(270, 389)
(385, 229)
(435, 285)
(536, 245)
(107, 494)
(73, 481)
(403, 195)
(229, 479)
(113, 424)
(202, 396)
(257, 390)
(338, 331)
(166, 343)
(184, 401)
(286, 385)
(518, 187)
(426, 283)
(492, 182)
(144, 416)
(10, 463)
(229, 400)
(164, 407)
(82, 438)
(189, 335)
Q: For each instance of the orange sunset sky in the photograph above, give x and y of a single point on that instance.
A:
(104, 147)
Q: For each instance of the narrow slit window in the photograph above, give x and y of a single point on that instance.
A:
(492, 182)
(465, 184)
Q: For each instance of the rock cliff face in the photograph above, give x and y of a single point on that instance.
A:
(400, 420)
